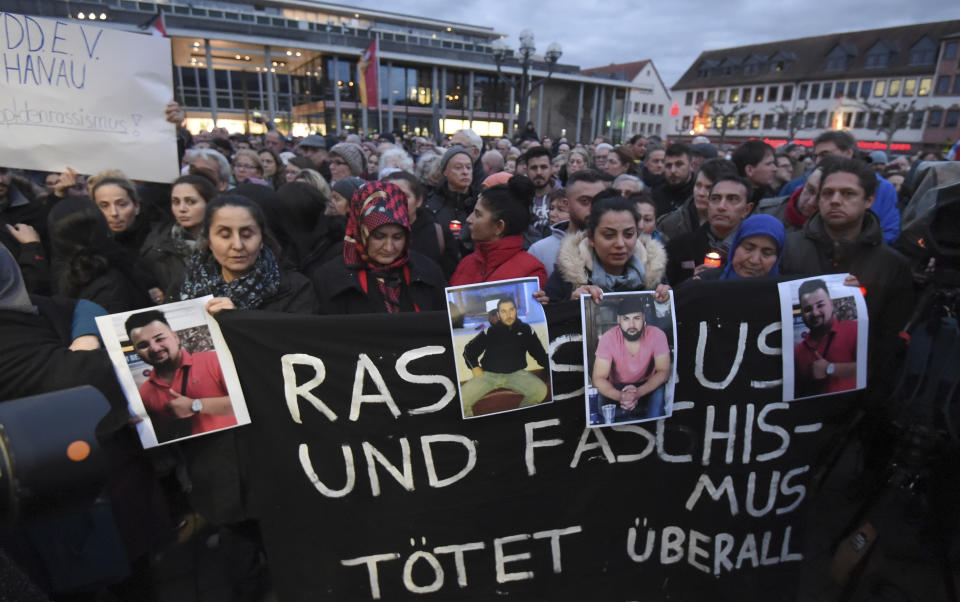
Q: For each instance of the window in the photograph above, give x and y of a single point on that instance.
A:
(909, 86)
(923, 52)
(742, 122)
(925, 83)
(721, 97)
(782, 121)
(865, 89)
(659, 112)
(878, 56)
(852, 88)
(787, 93)
(735, 95)
(874, 120)
(711, 94)
(814, 91)
(802, 93)
(847, 118)
(686, 122)
(689, 99)
(858, 119)
(809, 120)
(916, 120)
(827, 90)
(894, 88)
(837, 59)
(936, 116)
(880, 88)
(950, 50)
(718, 122)
(943, 84)
(953, 115)
(822, 119)
(772, 94)
(758, 97)
(645, 107)
(699, 96)
(634, 127)
(839, 90)
(768, 121)
(755, 122)
(745, 97)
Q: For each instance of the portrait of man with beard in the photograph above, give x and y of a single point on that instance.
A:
(185, 393)
(631, 364)
(826, 356)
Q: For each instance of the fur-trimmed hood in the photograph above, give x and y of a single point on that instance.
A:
(575, 259)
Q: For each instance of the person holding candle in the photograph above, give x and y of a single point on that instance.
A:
(727, 206)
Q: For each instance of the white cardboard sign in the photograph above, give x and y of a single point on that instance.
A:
(80, 94)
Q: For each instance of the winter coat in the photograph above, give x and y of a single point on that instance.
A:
(165, 258)
(575, 264)
(295, 295)
(341, 292)
(498, 260)
(437, 243)
(678, 222)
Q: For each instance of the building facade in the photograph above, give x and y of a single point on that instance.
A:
(896, 88)
(647, 110)
(295, 62)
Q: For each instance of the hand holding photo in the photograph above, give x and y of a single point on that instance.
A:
(500, 340)
(175, 370)
(629, 356)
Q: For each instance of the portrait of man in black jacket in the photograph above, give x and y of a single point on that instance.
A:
(497, 358)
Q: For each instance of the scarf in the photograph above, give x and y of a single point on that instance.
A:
(13, 293)
(373, 205)
(631, 280)
(752, 226)
(204, 277)
(793, 215)
(183, 242)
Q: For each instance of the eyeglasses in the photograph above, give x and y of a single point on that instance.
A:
(244, 166)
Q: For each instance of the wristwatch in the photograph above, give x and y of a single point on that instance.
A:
(831, 368)
(197, 405)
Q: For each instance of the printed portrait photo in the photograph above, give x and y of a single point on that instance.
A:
(629, 358)
(500, 343)
(172, 363)
(825, 328)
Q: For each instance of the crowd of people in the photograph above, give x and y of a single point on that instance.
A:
(381, 224)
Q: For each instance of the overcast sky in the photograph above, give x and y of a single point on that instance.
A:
(671, 32)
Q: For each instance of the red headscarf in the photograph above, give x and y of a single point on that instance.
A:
(373, 205)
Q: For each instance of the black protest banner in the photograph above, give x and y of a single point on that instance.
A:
(369, 485)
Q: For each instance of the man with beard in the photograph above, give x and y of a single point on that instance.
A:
(826, 359)
(632, 363)
(181, 384)
(538, 170)
(582, 186)
(504, 347)
(678, 184)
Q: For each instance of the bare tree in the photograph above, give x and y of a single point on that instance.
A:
(723, 118)
(790, 119)
(888, 117)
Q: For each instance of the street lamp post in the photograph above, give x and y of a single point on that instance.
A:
(525, 85)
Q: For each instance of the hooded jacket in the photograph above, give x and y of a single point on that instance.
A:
(498, 260)
(575, 264)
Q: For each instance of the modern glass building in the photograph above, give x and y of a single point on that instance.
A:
(295, 62)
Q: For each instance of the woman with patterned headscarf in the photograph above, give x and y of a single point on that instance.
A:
(378, 273)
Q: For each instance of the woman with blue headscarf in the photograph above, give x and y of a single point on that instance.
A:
(755, 250)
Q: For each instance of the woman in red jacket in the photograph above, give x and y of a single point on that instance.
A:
(497, 224)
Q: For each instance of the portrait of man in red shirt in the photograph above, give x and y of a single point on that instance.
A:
(181, 385)
(825, 360)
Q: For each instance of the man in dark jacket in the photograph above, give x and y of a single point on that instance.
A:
(846, 237)
(678, 184)
(504, 347)
(755, 161)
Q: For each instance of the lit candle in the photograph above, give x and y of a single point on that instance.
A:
(712, 260)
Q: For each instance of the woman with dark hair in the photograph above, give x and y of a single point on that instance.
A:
(619, 162)
(610, 256)
(168, 248)
(272, 167)
(426, 235)
(87, 263)
(295, 165)
(497, 224)
(237, 263)
(377, 272)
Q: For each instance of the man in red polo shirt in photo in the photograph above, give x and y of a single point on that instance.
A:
(181, 384)
(826, 358)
